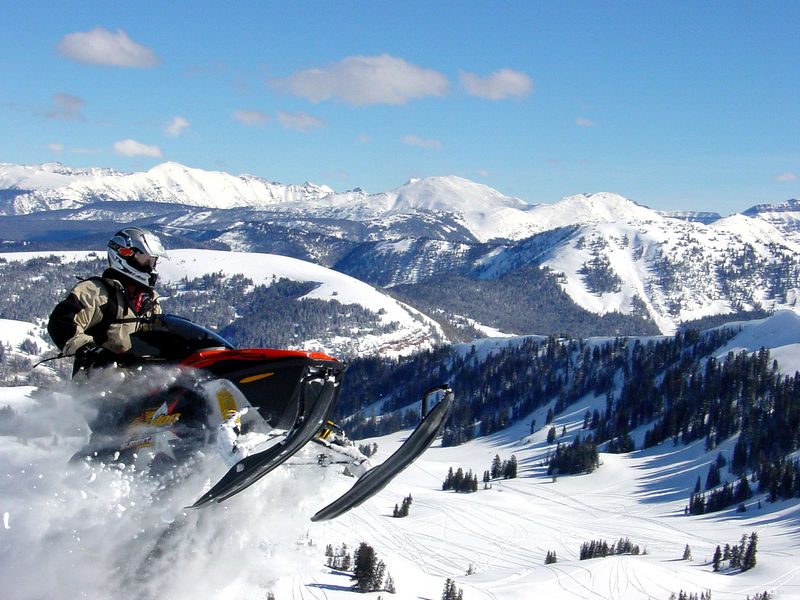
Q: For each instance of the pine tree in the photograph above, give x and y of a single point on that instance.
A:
(450, 591)
(449, 480)
(717, 559)
(687, 553)
(365, 569)
(510, 467)
(749, 558)
(551, 435)
(497, 466)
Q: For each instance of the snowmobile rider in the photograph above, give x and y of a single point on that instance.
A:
(94, 322)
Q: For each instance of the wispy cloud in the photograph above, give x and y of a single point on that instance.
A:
(502, 84)
(365, 80)
(364, 138)
(584, 122)
(251, 118)
(66, 107)
(413, 140)
(131, 147)
(55, 147)
(176, 126)
(785, 177)
(101, 47)
(300, 121)
(86, 150)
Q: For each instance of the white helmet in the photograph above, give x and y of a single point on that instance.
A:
(134, 252)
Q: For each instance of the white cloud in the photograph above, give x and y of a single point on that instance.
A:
(131, 147)
(483, 172)
(67, 107)
(786, 177)
(413, 140)
(364, 139)
(55, 147)
(364, 80)
(501, 84)
(101, 47)
(176, 126)
(584, 122)
(300, 121)
(251, 118)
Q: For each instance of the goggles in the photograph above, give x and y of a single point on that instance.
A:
(144, 259)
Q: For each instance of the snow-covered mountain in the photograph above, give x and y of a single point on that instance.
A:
(608, 253)
(785, 216)
(53, 186)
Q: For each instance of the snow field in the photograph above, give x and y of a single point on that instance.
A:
(80, 530)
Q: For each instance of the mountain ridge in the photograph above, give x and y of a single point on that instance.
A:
(609, 254)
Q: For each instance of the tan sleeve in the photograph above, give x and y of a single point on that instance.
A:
(91, 296)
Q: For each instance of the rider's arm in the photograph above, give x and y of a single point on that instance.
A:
(79, 311)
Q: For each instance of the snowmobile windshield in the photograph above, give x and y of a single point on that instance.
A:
(169, 337)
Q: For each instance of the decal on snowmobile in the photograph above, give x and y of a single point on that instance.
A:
(256, 377)
(162, 420)
(144, 442)
(163, 410)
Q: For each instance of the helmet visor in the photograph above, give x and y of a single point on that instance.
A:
(147, 261)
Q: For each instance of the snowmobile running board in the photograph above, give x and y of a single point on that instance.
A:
(374, 480)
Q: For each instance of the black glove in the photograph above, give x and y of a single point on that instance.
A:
(90, 356)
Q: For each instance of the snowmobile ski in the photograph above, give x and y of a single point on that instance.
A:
(252, 468)
(374, 480)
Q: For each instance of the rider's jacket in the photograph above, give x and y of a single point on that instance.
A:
(105, 310)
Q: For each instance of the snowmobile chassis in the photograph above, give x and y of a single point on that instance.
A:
(290, 393)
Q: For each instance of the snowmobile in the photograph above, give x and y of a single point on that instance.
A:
(258, 407)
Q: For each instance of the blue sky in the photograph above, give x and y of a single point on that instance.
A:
(676, 105)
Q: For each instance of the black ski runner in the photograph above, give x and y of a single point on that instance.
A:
(252, 468)
(374, 480)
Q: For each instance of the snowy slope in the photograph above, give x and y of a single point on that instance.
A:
(674, 268)
(779, 333)
(91, 532)
(412, 330)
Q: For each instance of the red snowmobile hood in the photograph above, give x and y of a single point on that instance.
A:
(200, 360)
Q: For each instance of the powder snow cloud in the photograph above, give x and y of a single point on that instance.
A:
(365, 80)
(502, 84)
(101, 47)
